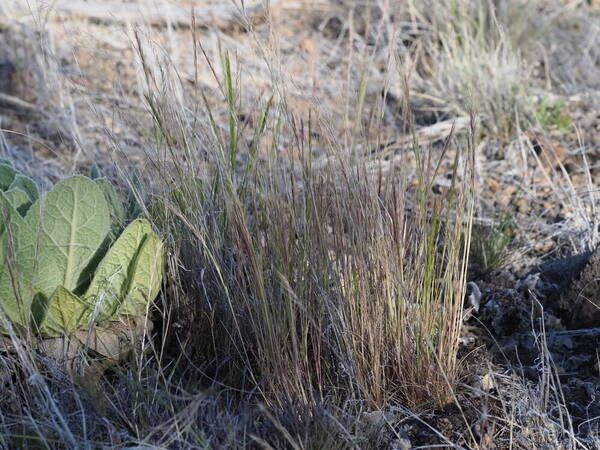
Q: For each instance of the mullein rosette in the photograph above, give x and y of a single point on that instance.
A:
(65, 265)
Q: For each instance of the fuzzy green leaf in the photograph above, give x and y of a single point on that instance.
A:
(115, 206)
(27, 185)
(7, 176)
(17, 251)
(95, 172)
(52, 248)
(18, 199)
(65, 313)
(71, 224)
(145, 277)
(112, 278)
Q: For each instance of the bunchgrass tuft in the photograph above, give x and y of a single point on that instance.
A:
(318, 283)
(490, 243)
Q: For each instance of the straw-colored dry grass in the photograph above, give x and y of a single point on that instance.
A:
(318, 235)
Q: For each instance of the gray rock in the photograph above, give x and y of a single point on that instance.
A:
(584, 295)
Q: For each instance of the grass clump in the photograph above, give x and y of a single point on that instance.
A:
(315, 285)
(550, 115)
(490, 244)
(474, 61)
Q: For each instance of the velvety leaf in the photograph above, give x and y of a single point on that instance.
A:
(18, 199)
(61, 244)
(17, 250)
(95, 172)
(65, 313)
(26, 184)
(7, 175)
(8, 209)
(115, 206)
(71, 224)
(111, 280)
(145, 277)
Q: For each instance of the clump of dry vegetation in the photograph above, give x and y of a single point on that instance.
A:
(327, 179)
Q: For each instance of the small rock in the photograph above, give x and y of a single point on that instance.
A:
(529, 283)
(485, 383)
(401, 443)
(375, 419)
(584, 295)
(474, 295)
